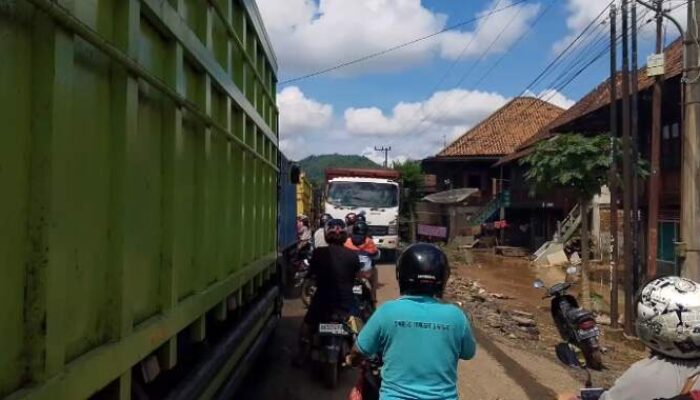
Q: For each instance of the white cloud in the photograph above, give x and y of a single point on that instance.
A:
(299, 114)
(419, 129)
(582, 12)
(507, 26)
(553, 96)
(309, 35)
(440, 113)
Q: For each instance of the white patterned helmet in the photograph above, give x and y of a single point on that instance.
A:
(668, 317)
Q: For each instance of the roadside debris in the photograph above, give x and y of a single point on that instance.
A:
(491, 310)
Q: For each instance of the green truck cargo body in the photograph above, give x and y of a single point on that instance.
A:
(138, 179)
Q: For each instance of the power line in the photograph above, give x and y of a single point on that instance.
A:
(515, 44)
(461, 54)
(399, 46)
(474, 64)
(558, 59)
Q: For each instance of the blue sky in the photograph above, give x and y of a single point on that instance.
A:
(394, 99)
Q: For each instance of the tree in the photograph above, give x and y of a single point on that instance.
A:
(411, 186)
(577, 163)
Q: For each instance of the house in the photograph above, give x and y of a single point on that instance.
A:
(591, 116)
(469, 162)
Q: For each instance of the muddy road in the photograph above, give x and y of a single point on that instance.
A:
(499, 371)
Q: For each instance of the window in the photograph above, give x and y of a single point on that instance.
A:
(363, 194)
(474, 181)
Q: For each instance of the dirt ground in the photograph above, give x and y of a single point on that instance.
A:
(503, 369)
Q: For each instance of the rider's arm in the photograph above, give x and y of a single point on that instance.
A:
(468, 349)
(372, 335)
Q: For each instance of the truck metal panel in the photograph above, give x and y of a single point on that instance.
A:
(305, 198)
(286, 226)
(138, 162)
(332, 173)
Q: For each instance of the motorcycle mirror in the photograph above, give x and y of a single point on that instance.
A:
(571, 270)
(538, 283)
(567, 356)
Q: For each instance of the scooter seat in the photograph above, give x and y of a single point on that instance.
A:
(578, 315)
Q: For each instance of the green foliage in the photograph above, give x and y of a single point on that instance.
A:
(411, 183)
(314, 166)
(573, 161)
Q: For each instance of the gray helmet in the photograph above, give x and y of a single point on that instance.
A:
(668, 317)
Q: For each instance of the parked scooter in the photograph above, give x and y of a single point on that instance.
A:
(567, 355)
(331, 344)
(575, 325)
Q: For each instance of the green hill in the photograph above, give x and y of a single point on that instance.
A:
(314, 166)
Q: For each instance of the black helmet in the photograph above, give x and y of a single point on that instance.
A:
(360, 229)
(361, 217)
(335, 232)
(422, 269)
(324, 219)
(351, 218)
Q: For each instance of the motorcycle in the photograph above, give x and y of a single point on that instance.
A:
(363, 294)
(575, 325)
(331, 343)
(567, 355)
(362, 289)
(369, 381)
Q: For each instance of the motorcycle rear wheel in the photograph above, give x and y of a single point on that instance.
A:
(331, 374)
(593, 355)
(308, 288)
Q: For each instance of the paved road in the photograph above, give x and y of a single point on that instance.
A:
(497, 372)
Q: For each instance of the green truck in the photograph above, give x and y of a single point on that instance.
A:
(138, 197)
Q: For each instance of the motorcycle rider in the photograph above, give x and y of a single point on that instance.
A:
(667, 323)
(320, 234)
(335, 268)
(303, 234)
(419, 337)
(361, 243)
(350, 220)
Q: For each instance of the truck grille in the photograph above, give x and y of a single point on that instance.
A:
(378, 230)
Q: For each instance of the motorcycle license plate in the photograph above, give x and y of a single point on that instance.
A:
(587, 334)
(591, 393)
(357, 289)
(331, 329)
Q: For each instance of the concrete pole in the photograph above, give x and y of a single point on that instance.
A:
(614, 259)
(655, 178)
(690, 172)
(627, 176)
(636, 225)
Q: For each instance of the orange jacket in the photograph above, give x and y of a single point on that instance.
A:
(367, 247)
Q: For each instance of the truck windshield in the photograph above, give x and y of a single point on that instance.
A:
(363, 194)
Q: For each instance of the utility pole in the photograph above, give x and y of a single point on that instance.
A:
(655, 177)
(690, 172)
(386, 151)
(614, 259)
(627, 175)
(636, 228)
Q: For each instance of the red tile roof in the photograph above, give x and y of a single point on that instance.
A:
(504, 130)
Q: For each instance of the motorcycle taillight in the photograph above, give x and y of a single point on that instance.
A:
(588, 324)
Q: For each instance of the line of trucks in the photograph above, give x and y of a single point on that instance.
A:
(147, 214)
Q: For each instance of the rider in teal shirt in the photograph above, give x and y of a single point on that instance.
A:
(419, 337)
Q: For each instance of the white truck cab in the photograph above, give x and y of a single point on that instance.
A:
(377, 198)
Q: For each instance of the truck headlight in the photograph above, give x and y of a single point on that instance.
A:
(393, 228)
